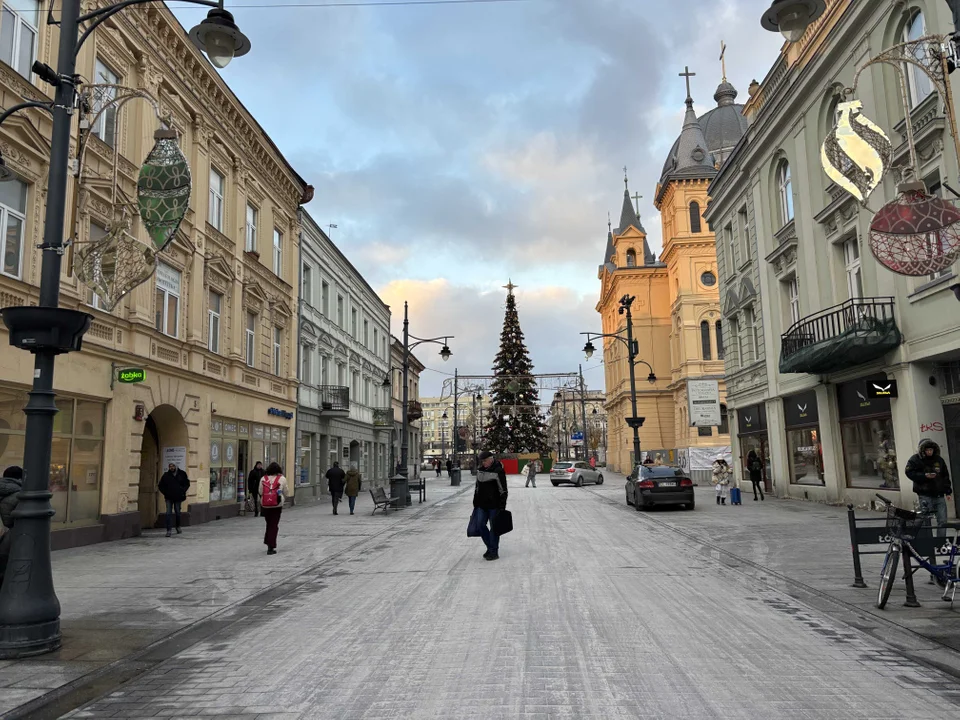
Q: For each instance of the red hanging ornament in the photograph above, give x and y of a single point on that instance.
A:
(917, 234)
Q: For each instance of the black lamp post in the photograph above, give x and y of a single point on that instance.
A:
(29, 608)
(633, 350)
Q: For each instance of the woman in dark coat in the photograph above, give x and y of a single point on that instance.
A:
(755, 468)
(253, 486)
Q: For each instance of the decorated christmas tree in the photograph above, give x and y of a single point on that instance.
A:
(513, 423)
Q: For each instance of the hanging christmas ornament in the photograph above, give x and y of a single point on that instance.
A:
(163, 190)
(114, 265)
(856, 153)
(917, 234)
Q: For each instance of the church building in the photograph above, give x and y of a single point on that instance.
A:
(676, 313)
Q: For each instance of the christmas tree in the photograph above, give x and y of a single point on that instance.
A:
(514, 424)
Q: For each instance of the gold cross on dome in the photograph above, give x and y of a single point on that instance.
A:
(510, 287)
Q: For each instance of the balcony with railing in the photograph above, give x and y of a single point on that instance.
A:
(856, 332)
(331, 400)
(414, 410)
(383, 417)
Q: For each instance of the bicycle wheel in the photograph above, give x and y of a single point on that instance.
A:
(888, 575)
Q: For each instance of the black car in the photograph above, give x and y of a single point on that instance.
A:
(651, 485)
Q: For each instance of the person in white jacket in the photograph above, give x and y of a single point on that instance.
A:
(721, 478)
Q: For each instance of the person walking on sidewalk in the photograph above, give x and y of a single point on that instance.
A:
(335, 483)
(931, 481)
(173, 486)
(353, 486)
(755, 468)
(439, 468)
(449, 467)
(489, 497)
(531, 473)
(253, 486)
(10, 486)
(273, 492)
(721, 479)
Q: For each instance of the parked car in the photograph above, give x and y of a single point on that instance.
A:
(575, 472)
(651, 485)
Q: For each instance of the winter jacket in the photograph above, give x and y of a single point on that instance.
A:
(253, 481)
(9, 496)
(755, 467)
(919, 465)
(532, 469)
(335, 480)
(354, 483)
(174, 485)
(491, 489)
(721, 473)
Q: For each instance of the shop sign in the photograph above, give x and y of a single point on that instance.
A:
(175, 455)
(752, 419)
(131, 375)
(168, 278)
(854, 398)
(277, 412)
(230, 427)
(800, 410)
(244, 429)
(703, 397)
(882, 389)
(258, 432)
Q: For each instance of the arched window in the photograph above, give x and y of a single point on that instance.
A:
(785, 186)
(918, 84)
(724, 427)
(719, 341)
(694, 217)
(631, 258)
(705, 340)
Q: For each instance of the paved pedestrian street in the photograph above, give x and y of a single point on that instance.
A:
(593, 611)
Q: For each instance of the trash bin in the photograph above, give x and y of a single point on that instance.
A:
(455, 477)
(399, 489)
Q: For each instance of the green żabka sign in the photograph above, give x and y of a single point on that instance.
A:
(132, 375)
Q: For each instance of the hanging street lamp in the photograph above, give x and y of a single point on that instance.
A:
(791, 18)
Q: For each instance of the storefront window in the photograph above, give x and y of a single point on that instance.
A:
(866, 428)
(264, 444)
(802, 419)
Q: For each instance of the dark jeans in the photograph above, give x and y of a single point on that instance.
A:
(335, 498)
(256, 505)
(173, 507)
(272, 518)
(352, 499)
(439, 472)
(757, 485)
(491, 539)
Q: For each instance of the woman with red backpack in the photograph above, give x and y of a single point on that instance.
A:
(273, 491)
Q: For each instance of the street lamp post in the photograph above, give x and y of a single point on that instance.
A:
(29, 608)
(626, 302)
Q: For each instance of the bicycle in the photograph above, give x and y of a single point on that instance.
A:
(902, 527)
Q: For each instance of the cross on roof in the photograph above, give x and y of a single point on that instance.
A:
(626, 181)
(687, 74)
(510, 287)
(636, 201)
(723, 59)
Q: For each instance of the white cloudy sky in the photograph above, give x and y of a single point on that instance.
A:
(460, 145)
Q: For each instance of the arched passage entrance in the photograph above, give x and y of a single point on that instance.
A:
(354, 453)
(164, 438)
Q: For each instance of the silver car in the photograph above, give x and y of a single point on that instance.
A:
(575, 472)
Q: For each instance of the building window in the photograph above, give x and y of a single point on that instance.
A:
(306, 285)
(215, 215)
(105, 127)
(705, 340)
(354, 333)
(98, 233)
(918, 84)
(785, 185)
(694, 217)
(935, 187)
(340, 321)
(325, 299)
(167, 300)
(13, 206)
(753, 333)
(719, 331)
(277, 344)
(253, 217)
(18, 34)
(324, 369)
(251, 344)
(730, 242)
(213, 324)
(367, 396)
(743, 226)
(376, 341)
(851, 261)
(277, 253)
(724, 427)
(341, 375)
(631, 258)
(793, 300)
(704, 431)
(366, 334)
(739, 346)
(306, 362)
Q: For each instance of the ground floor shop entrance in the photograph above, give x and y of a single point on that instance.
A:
(165, 440)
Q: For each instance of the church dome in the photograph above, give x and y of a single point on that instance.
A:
(722, 127)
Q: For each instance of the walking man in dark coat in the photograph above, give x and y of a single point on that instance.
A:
(490, 497)
(336, 480)
(253, 486)
(173, 486)
(755, 468)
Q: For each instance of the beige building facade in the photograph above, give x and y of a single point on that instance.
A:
(214, 329)
(414, 436)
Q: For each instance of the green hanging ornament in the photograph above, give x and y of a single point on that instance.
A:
(163, 190)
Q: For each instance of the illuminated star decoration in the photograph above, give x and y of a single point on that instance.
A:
(510, 287)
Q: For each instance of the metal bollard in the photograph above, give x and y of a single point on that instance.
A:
(854, 548)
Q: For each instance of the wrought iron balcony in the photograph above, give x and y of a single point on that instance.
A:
(383, 417)
(414, 410)
(858, 331)
(334, 398)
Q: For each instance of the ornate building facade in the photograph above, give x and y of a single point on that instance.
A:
(214, 329)
(415, 438)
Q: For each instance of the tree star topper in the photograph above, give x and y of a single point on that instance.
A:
(510, 287)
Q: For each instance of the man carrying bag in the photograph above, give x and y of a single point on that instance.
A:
(490, 506)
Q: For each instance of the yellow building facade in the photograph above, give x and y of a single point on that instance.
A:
(214, 329)
(676, 311)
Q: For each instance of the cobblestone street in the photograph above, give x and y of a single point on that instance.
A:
(593, 611)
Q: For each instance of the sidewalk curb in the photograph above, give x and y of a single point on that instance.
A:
(106, 679)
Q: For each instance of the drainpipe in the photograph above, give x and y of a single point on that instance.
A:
(296, 422)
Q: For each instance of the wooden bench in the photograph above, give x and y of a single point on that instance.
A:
(380, 500)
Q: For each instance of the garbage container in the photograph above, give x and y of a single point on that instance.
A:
(399, 489)
(455, 476)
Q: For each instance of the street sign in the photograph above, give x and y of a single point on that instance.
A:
(703, 397)
(131, 375)
(576, 438)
